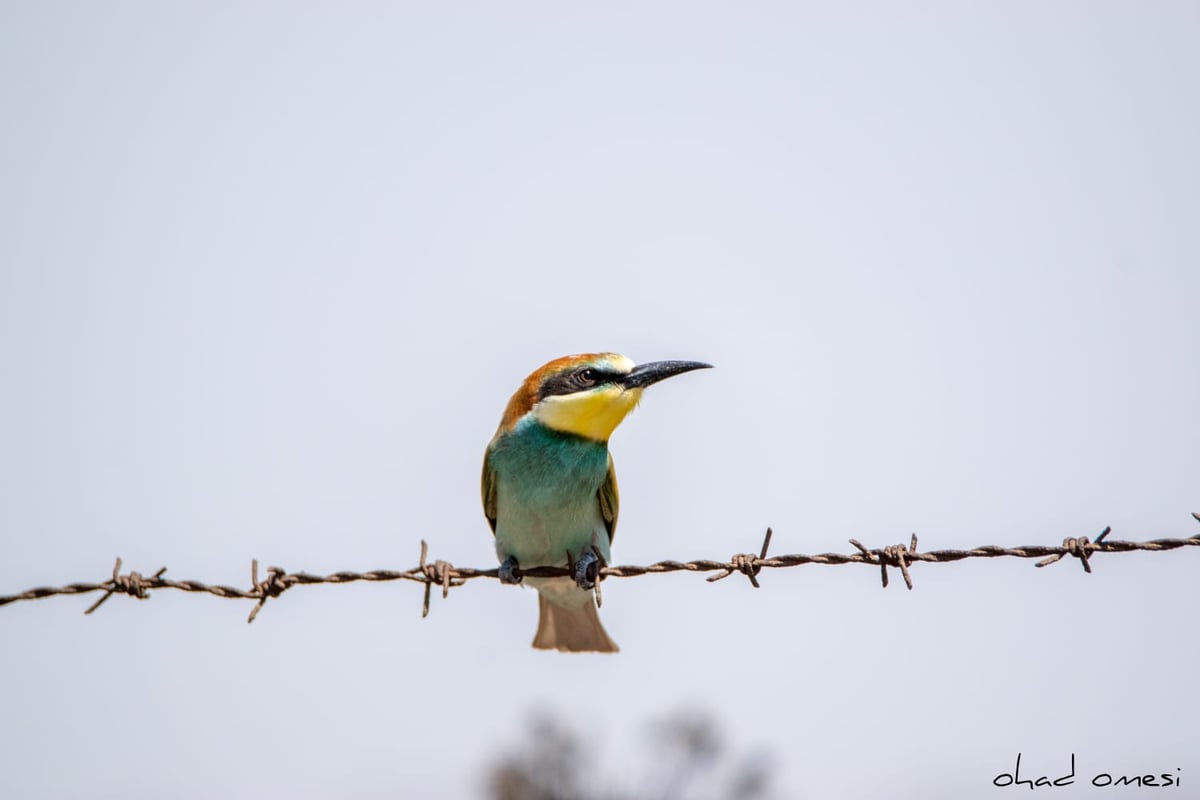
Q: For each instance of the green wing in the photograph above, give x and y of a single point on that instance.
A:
(610, 499)
(488, 490)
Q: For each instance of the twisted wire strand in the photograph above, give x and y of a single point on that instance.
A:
(446, 576)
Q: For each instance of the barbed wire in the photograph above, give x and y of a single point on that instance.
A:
(446, 576)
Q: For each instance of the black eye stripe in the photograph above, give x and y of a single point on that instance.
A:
(570, 382)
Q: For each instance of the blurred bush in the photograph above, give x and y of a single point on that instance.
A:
(687, 759)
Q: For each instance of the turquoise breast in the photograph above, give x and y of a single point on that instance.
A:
(546, 484)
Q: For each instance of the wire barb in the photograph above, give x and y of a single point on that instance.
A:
(596, 593)
(276, 583)
(439, 572)
(132, 584)
(746, 563)
(1081, 548)
(894, 555)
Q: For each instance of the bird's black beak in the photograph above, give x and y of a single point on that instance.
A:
(646, 374)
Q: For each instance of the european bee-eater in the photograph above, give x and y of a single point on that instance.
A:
(549, 490)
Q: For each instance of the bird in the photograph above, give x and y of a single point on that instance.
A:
(549, 490)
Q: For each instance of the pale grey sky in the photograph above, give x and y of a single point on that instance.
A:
(269, 272)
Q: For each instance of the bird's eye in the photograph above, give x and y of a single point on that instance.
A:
(586, 376)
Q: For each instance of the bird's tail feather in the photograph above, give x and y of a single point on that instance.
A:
(572, 630)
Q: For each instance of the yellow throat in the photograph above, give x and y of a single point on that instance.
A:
(593, 415)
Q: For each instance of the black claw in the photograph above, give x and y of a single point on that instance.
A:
(587, 570)
(510, 571)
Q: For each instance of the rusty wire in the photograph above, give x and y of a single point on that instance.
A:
(447, 576)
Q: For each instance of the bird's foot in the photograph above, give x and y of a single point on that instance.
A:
(587, 570)
(510, 571)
